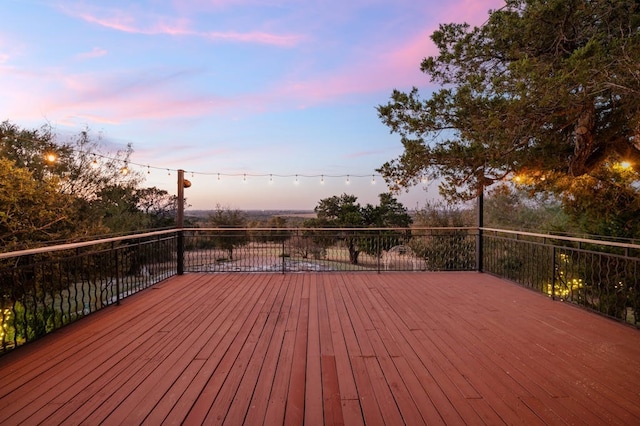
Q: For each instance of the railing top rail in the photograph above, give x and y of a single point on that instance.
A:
(564, 238)
(427, 228)
(71, 246)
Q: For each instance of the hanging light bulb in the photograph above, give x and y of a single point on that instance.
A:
(218, 176)
(270, 178)
(148, 170)
(321, 179)
(168, 172)
(373, 179)
(348, 181)
(244, 178)
(124, 170)
(296, 181)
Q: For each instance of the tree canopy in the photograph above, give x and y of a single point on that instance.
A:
(52, 191)
(32, 210)
(228, 218)
(546, 92)
(345, 212)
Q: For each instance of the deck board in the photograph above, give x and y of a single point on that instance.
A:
(332, 348)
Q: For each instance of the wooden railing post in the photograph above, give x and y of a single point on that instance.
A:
(180, 223)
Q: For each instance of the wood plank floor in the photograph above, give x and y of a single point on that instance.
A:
(352, 348)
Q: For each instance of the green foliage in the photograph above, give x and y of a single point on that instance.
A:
(78, 192)
(276, 233)
(544, 89)
(444, 249)
(508, 207)
(344, 212)
(32, 211)
(228, 218)
(606, 202)
(30, 322)
(442, 215)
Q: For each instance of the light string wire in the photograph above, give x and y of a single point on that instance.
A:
(126, 163)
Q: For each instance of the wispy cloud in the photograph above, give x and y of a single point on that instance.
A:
(96, 52)
(377, 68)
(154, 25)
(8, 48)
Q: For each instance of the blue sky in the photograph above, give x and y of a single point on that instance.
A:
(236, 87)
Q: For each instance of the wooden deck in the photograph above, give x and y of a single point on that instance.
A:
(393, 348)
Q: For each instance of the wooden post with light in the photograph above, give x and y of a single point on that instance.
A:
(182, 184)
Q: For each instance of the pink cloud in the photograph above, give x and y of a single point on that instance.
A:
(112, 98)
(396, 66)
(68, 98)
(473, 12)
(180, 27)
(393, 67)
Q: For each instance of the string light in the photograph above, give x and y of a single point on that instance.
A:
(52, 157)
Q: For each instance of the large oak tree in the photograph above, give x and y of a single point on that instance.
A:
(545, 92)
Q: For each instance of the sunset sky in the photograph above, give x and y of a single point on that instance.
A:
(236, 87)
